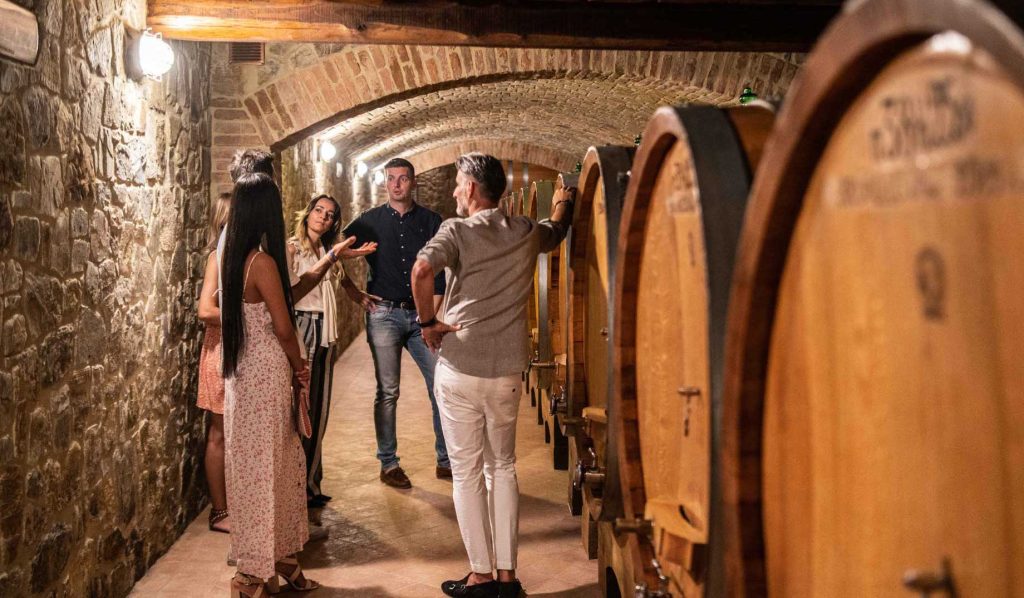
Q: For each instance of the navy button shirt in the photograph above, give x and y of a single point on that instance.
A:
(399, 238)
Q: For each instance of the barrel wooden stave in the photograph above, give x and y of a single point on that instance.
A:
(872, 443)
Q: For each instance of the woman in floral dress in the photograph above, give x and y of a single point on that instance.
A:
(263, 364)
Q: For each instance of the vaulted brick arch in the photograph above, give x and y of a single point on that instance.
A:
(336, 84)
(503, 149)
(563, 114)
(361, 76)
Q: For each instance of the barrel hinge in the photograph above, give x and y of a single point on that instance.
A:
(928, 582)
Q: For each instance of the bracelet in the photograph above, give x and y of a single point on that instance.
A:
(562, 201)
(332, 255)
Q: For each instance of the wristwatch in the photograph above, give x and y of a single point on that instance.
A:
(428, 323)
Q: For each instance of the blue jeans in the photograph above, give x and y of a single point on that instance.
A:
(387, 331)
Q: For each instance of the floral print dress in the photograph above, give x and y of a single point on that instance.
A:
(264, 462)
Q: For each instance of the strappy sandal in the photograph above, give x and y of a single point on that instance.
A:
(294, 578)
(247, 586)
(216, 516)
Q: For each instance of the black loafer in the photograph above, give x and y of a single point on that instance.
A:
(510, 589)
(396, 478)
(459, 589)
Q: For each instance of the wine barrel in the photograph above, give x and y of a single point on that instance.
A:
(547, 368)
(874, 405)
(680, 226)
(542, 365)
(589, 404)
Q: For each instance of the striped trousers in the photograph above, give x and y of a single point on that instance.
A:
(321, 374)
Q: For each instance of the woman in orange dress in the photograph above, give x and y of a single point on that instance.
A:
(211, 381)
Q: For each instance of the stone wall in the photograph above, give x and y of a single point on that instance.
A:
(434, 190)
(104, 187)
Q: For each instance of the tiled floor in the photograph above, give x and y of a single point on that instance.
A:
(397, 543)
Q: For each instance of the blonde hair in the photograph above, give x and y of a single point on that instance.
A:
(302, 216)
(219, 212)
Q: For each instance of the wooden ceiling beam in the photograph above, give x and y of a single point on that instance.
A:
(749, 25)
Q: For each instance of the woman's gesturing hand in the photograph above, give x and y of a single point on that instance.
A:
(343, 249)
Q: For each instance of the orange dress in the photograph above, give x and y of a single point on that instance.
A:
(211, 378)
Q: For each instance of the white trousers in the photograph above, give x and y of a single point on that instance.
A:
(478, 416)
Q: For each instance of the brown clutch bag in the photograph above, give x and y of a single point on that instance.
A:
(300, 407)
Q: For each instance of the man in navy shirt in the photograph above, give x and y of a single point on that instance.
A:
(401, 228)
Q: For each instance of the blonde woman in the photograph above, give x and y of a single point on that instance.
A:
(316, 231)
(211, 381)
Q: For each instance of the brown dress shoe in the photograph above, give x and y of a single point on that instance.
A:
(443, 473)
(395, 478)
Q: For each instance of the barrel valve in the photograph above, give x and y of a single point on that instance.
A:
(541, 365)
(642, 591)
(928, 582)
(586, 472)
(558, 403)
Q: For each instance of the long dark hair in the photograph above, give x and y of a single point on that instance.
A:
(256, 218)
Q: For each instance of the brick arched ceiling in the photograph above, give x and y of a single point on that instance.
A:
(503, 149)
(414, 99)
(565, 115)
(357, 78)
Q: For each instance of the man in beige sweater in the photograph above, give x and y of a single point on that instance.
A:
(483, 346)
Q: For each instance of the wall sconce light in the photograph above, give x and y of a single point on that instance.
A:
(148, 55)
(338, 170)
(378, 177)
(327, 151)
(361, 169)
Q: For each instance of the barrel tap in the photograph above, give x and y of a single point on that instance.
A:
(586, 472)
(642, 591)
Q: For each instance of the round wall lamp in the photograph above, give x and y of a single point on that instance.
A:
(147, 55)
(361, 168)
(327, 151)
(378, 177)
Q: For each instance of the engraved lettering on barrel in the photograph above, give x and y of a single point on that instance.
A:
(931, 282)
(978, 178)
(942, 115)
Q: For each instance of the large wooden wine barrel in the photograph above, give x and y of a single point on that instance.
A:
(542, 364)
(589, 401)
(876, 330)
(680, 226)
(547, 368)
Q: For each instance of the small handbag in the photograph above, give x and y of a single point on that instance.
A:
(300, 408)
